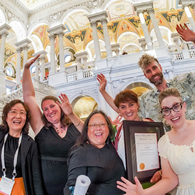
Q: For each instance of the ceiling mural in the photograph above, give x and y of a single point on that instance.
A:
(77, 21)
(120, 9)
(124, 27)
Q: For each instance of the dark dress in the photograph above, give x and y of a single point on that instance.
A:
(54, 151)
(103, 166)
(28, 164)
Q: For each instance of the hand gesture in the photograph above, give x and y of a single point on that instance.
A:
(102, 81)
(117, 120)
(185, 33)
(130, 188)
(65, 104)
(29, 63)
(156, 177)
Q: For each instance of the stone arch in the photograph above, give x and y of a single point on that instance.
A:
(19, 29)
(83, 105)
(3, 18)
(36, 25)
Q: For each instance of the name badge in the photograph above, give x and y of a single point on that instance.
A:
(6, 185)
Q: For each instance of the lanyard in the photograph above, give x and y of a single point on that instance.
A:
(15, 157)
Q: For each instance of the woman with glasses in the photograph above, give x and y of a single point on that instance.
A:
(20, 169)
(176, 149)
(56, 131)
(95, 156)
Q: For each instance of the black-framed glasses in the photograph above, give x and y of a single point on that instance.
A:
(176, 108)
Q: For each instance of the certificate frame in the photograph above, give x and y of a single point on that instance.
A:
(132, 129)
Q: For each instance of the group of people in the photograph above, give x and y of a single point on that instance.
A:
(66, 147)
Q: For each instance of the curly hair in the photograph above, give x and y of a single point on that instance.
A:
(169, 92)
(7, 108)
(63, 119)
(146, 60)
(125, 96)
(84, 137)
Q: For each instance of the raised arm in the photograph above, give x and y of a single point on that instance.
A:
(185, 33)
(29, 98)
(102, 81)
(67, 109)
(168, 182)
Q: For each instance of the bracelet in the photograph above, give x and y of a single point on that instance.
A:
(78, 124)
(160, 173)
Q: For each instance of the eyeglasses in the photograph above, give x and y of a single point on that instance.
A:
(14, 112)
(102, 125)
(176, 108)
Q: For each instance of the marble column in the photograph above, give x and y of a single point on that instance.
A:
(106, 38)
(145, 31)
(190, 18)
(116, 48)
(96, 41)
(156, 27)
(52, 52)
(176, 37)
(3, 34)
(36, 63)
(25, 55)
(61, 48)
(142, 43)
(18, 65)
(85, 62)
(42, 75)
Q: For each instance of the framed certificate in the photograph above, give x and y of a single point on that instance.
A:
(141, 150)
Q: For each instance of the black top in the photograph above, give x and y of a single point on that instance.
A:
(11, 146)
(29, 162)
(54, 152)
(103, 166)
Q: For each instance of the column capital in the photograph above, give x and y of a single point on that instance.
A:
(4, 29)
(150, 10)
(19, 49)
(23, 43)
(52, 36)
(56, 29)
(104, 20)
(97, 16)
(42, 52)
(142, 7)
(81, 54)
(175, 35)
(186, 3)
(93, 24)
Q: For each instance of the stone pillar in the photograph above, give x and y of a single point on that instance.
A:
(96, 41)
(116, 48)
(85, 62)
(176, 37)
(106, 37)
(25, 55)
(18, 65)
(139, 7)
(41, 59)
(3, 34)
(142, 43)
(56, 30)
(61, 48)
(186, 4)
(52, 53)
(42, 75)
(81, 55)
(156, 27)
(37, 69)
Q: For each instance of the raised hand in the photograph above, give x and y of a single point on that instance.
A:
(185, 33)
(130, 188)
(29, 63)
(65, 104)
(102, 81)
(117, 120)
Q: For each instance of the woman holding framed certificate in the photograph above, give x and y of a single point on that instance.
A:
(176, 149)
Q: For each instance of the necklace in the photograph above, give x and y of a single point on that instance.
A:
(61, 130)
